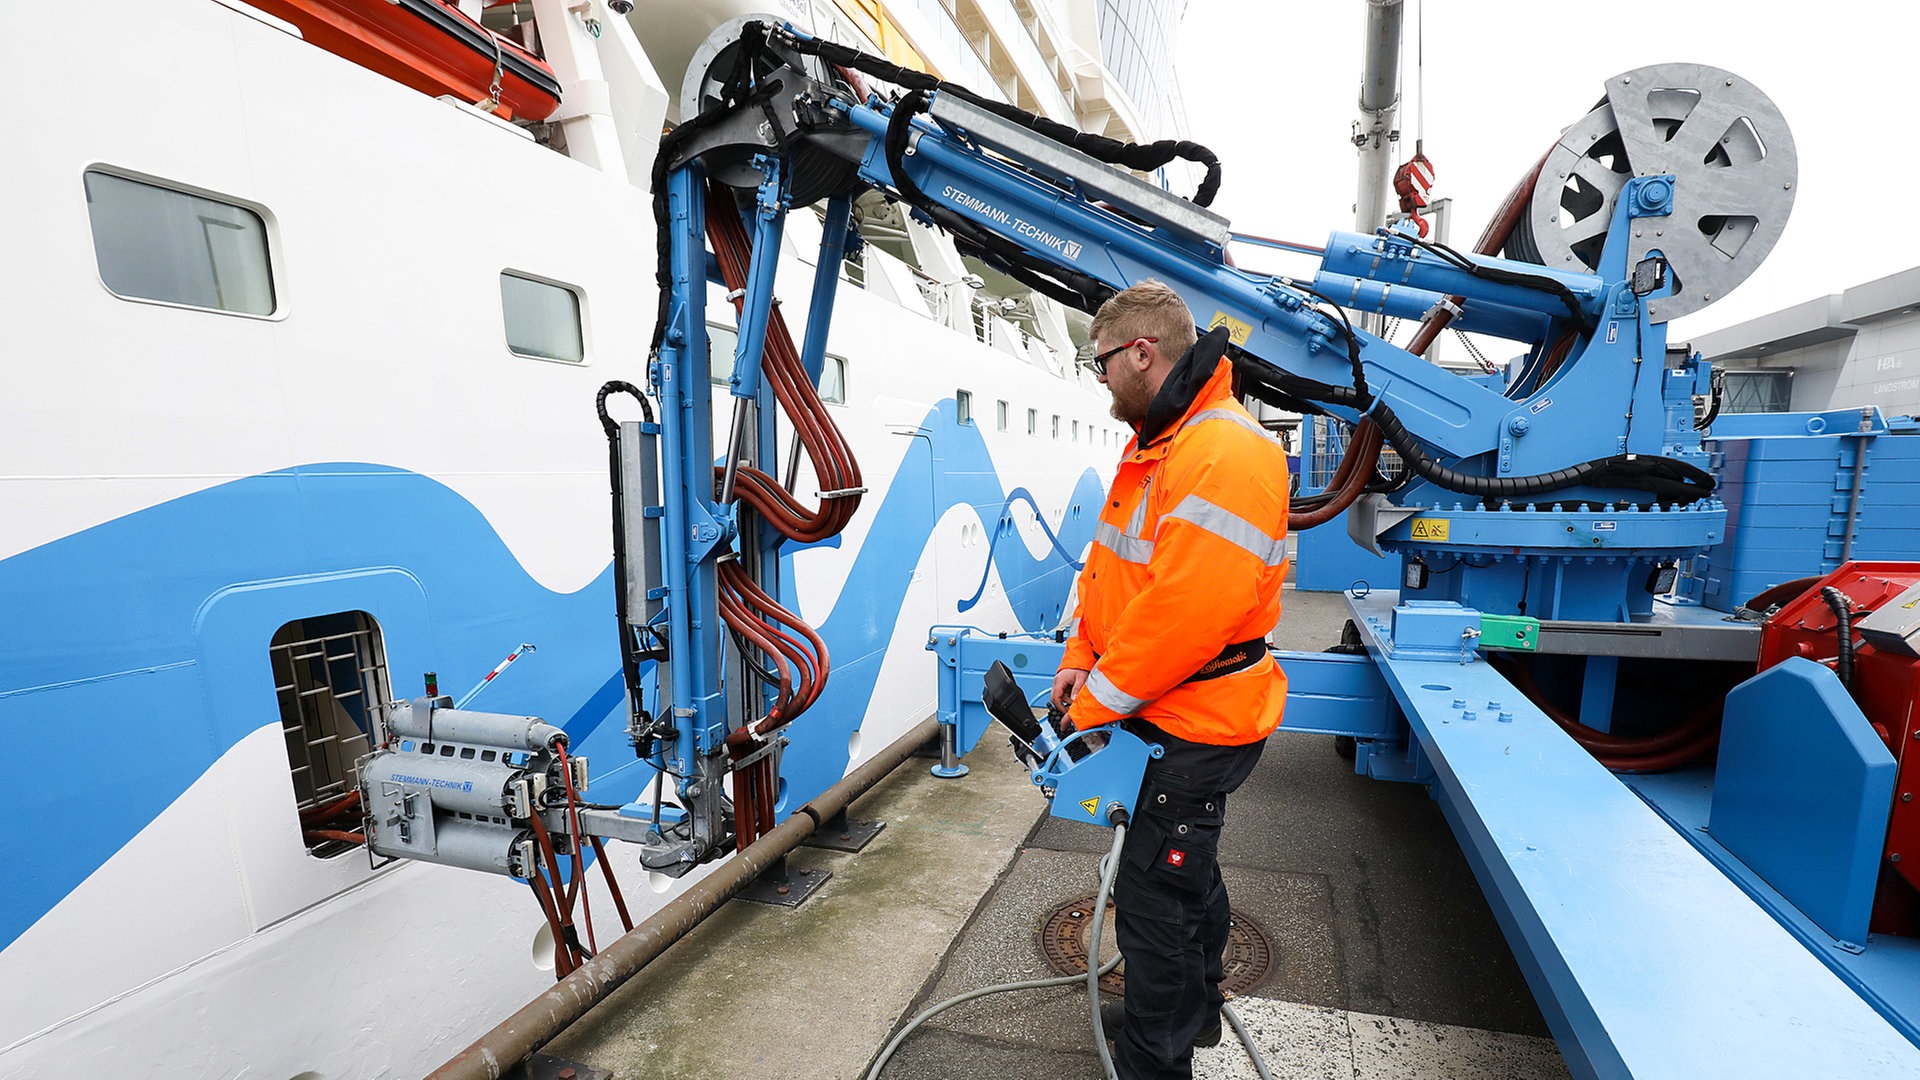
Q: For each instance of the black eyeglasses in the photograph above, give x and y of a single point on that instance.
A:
(1098, 361)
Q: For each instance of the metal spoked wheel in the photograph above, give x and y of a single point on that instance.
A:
(1734, 166)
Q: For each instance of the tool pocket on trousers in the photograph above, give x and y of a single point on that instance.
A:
(1186, 834)
(1188, 851)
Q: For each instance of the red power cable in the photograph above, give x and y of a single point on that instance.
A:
(613, 884)
(579, 883)
(563, 959)
(562, 902)
(1685, 742)
(334, 834)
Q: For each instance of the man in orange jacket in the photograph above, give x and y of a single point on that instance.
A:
(1178, 593)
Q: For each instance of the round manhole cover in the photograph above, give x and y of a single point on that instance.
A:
(1063, 940)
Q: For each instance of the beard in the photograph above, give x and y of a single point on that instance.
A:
(1129, 402)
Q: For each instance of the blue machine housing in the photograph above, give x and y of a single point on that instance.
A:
(1805, 492)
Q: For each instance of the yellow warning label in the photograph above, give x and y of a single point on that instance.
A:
(1237, 332)
(1091, 806)
(1911, 604)
(1431, 528)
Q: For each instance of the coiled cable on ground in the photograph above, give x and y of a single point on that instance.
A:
(1109, 869)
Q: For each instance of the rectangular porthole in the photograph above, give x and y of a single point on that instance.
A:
(542, 318)
(1000, 416)
(963, 406)
(833, 380)
(173, 247)
(722, 340)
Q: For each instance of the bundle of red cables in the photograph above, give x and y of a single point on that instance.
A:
(798, 655)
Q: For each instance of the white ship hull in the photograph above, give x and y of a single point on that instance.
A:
(179, 484)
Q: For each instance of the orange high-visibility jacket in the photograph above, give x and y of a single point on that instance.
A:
(1188, 559)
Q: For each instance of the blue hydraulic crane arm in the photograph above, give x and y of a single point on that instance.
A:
(1059, 224)
(973, 172)
(1077, 229)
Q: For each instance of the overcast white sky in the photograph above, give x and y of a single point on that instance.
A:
(1271, 87)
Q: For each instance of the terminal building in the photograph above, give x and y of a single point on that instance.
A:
(1850, 349)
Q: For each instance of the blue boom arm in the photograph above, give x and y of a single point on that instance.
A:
(1028, 203)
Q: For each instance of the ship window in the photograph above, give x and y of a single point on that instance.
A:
(1076, 431)
(330, 675)
(1056, 427)
(833, 380)
(1000, 415)
(963, 406)
(155, 243)
(542, 317)
(722, 340)
(1033, 421)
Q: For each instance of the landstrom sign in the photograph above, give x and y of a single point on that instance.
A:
(976, 205)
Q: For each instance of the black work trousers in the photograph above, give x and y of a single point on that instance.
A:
(1171, 917)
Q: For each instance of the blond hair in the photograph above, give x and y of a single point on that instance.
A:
(1147, 310)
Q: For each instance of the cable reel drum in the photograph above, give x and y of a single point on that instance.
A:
(1734, 165)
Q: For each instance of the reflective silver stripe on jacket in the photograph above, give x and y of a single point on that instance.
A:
(1111, 696)
(1242, 419)
(1127, 548)
(1073, 628)
(1230, 527)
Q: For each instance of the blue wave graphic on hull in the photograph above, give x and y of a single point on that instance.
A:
(147, 655)
(1004, 527)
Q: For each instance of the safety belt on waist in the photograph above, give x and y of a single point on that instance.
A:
(1238, 656)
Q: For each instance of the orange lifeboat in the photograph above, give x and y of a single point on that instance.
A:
(430, 45)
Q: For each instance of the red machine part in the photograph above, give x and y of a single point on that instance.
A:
(1886, 687)
(1413, 182)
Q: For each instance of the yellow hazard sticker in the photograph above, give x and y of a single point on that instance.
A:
(1091, 806)
(1237, 332)
(1431, 528)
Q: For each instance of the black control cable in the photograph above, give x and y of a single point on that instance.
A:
(1501, 276)
(1843, 629)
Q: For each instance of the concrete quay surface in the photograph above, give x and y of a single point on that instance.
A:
(1386, 959)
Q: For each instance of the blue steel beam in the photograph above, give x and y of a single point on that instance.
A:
(834, 239)
(691, 530)
(1272, 322)
(1646, 961)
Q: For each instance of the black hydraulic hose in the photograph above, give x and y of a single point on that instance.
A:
(1353, 339)
(1665, 478)
(1060, 284)
(618, 386)
(1719, 386)
(1539, 282)
(899, 129)
(1843, 629)
(1144, 157)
